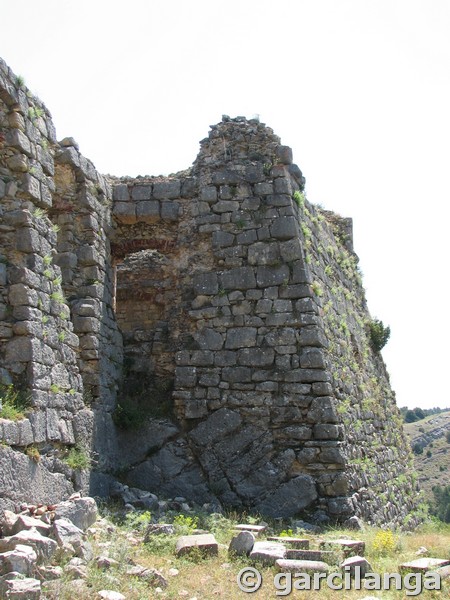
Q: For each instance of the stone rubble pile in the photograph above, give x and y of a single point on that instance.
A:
(39, 536)
(33, 541)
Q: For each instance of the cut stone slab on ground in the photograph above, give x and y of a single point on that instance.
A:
(205, 543)
(348, 547)
(268, 552)
(295, 542)
(355, 563)
(302, 566)
(422, 565)
(255, 529)
(327, 556)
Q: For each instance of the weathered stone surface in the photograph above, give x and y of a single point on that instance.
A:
(158, 529)
(206, 283)
(284, 155)
(356, 564)
(43, 546)
(14, 585)
(267, 552)
(167, 189)
(65, 533)
(300, 543)
(24, 522)
(241, 337)
(110, 595)
(443, 572)
(205, 543)
(242, 278)
(422, 565)
(37, 483)
(148, 211)
(22, 559)
(242, 544)
(223, 273)
(326, 556)
(82, 512)
(348, 547)
(289, 498)
(302, 566)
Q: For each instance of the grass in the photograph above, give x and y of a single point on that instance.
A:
(13, 403)
(77, 458)
(121, 538)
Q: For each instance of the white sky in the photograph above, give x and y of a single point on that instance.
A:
(360, 89)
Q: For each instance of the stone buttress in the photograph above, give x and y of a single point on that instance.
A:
(202, 335)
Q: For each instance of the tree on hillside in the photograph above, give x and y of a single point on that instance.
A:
(442, 502)
(410, 416)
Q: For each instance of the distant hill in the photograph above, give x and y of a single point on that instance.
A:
(431, 450)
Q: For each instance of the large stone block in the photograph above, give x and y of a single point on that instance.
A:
(138, 192)
(289, 498)
(268, 552)
(210, 339)
(268, 276)
(170, 211)
(167, 189)
(147, 211)
(17, 139)
(205, 283)
(241, 337)
(15, 585)
(121, 192)
(256, 357)
(43, 546)
(284, 228)
(22, 560)
(82, 512)
(204, 543)
(125, 212)
(242, 278)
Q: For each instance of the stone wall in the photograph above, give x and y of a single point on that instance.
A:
(204, 334)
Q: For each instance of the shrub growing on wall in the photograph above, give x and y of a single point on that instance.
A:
(379, 334)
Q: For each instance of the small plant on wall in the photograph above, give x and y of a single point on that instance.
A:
(379, 334)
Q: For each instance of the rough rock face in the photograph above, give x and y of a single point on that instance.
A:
(206, 334)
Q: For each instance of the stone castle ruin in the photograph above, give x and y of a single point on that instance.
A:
(202, 335)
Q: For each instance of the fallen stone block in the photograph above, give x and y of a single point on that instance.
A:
(110, 595)
(158, 529)
(242, 544)
(327, 556)
(44, 547)
(105, 562)
(65, 532)
(14, 585)
(268, 552)
(443, 572)
(353, 564)
(255, 529)
(153, 576)
(302, 566)
(49, 573)
(205, 543)
(422, 565)
(348, 547)
(301, 543)
(7, 521)
(76, 571)
(22, 559)
(82, 512)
